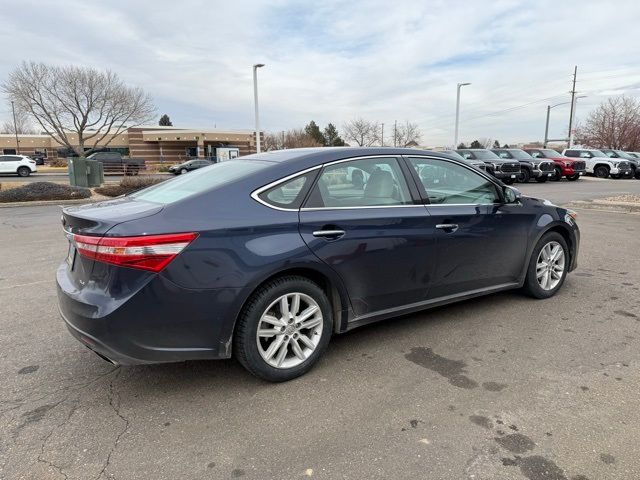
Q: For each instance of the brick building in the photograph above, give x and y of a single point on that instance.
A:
(153, 143)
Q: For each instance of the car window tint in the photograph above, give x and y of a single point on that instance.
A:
(360, 183)
(571, 153)
(288, 194)
(199, 181)
(450, 183)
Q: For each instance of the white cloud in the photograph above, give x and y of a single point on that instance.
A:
(330, 62)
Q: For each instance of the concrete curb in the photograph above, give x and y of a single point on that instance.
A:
(622, 207)
(41, 203)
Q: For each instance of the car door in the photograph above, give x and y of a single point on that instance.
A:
(4, 164)
(364, 220)
(481, 241)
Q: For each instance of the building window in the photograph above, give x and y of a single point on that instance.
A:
(9, 151)
(42, 152)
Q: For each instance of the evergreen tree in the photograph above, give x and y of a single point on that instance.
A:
(476, 144)
(462, 145)
(332, 137)
(314, 132)
(165, 121)
(496, 144)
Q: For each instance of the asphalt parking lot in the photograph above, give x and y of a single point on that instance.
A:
(498, 387)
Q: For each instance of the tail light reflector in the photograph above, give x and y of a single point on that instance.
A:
(148, 252)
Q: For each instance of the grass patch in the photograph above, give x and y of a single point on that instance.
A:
(43, 191)
(127, 185)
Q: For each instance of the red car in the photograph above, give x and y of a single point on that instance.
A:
(571, 168)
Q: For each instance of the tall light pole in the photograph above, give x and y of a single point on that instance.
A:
(15, 128)
(455, 138)
(549, 107)
(255, 100)
(573, 105)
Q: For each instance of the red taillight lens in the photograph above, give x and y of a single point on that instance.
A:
(149, 252)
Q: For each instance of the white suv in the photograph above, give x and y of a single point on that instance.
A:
(599, 164)
(20, 164)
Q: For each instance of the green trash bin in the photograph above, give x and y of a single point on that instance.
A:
(95, 173)
(78, 172)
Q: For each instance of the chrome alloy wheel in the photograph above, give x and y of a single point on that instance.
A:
(289, 330)
(550, 265)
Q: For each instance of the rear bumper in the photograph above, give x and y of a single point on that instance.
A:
(160, 322)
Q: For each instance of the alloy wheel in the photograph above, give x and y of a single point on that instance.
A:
(289, 330)
(550, 265)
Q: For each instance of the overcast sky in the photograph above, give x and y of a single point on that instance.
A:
(331, 61)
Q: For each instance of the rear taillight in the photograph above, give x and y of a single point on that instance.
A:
(149, 252)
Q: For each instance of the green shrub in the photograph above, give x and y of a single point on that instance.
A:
(43, 191)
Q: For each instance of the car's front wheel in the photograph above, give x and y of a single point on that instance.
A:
(548, 266)
(524, 176)
(574, 177)
(24, 172)
(183, 171)
(508, 181)
(283, 329)
(541, 179)
(601, 171)
(557, 174)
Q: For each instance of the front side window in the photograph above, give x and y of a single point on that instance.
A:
(450, 183)
(288, 194)
(364, 182)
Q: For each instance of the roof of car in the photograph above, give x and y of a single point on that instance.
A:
(328, 154)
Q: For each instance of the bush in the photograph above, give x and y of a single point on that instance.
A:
(58, 162)
(43, 191)
(128, 185)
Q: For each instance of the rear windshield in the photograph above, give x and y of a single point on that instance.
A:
(198, 181)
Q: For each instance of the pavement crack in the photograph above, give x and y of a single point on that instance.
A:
(115, 405)
(41, 457)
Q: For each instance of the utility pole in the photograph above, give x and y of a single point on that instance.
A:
(15, 128)
(546, 127)
(395, 132)
(382, 136)
(455, 137)
(573, 106)
(283, 147)
(255, 101)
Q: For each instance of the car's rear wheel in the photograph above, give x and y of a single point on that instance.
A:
(548, 266)
(24, 171)
(283, 329)
(525, 176)
(574, 177)
(601, 172)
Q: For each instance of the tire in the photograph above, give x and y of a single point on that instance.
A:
(524, 176)
(558, 174)
(601, 171)
(508, 181)
(24, 171)
(542, 179)
(574, 177)
(183, 171)
(532, 286)
(616, 176)
(253, 352)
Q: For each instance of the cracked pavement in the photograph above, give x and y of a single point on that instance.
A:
(498, 387)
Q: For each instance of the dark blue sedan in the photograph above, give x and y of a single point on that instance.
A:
(266, 257)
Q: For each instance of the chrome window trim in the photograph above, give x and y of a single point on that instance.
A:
(255, 194)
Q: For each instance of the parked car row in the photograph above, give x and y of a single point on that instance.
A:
(21, 165)
(542, 164)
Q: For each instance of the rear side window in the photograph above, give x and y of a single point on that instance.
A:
(198, 181)
(288, 194)
(365, 182)
(571, 153)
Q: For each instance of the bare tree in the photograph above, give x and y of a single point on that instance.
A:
(298, 138)
(614, 124)
(91, 105)
(22, 125)
(272, 141)
(406, 134)
(363, 133)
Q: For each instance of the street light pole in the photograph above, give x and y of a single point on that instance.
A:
(255, 101)
(573, 104)
(549, 107)
(15, 128)
(455, 138)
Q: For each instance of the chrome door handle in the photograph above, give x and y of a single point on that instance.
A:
(332, 234)
(447, 227)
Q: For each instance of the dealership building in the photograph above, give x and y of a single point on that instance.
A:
(155, 144)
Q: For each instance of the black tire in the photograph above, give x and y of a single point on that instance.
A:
(542, 179)
(557, 175)
(183, 171)
(244, 340)
(616, 176)
(524, 176)
(24, 171)
(509, 181)
(531, 286)
(601, 171)
(574, 177)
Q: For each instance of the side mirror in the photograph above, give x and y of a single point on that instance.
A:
(511, 194)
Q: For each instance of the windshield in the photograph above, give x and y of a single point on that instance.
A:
(548, 153)
(484, 154)
(455, 155)
(622, 154)
(598, 153)
(520, 154)
(198, 181)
